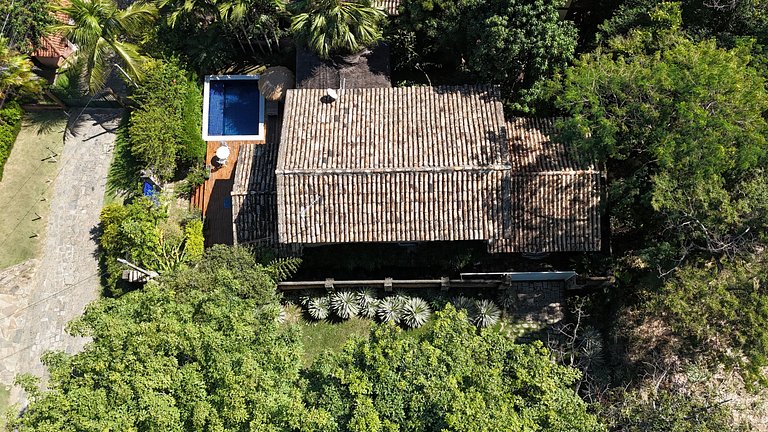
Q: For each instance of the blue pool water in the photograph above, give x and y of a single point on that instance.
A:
(233, 107)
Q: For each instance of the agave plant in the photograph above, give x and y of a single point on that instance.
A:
(319, 307)
(368, 303)
(508, 299)
(415, 312)
(464, 303)
(486, 313)
(344, 304)
(289, 314)
(390, 309)
(305, 297)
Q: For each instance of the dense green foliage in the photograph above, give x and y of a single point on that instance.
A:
(10, 125)
(100, 29)
(217, 35)
(729, 322)
(448, 378)
(25, 22)
(142, 233)
(724, 20)
(16, 76)
(164, 129)
(668, 412)
(201, 349)
(172, 357)
(337, 26)
(682, 128)
(516, 44)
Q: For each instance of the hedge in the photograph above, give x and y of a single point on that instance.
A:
(10, 125)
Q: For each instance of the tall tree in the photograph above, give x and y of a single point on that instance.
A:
(448, 379)
(102, 31)
(682, 126)
(337, 26)
(217, 34)
(516, 44)
(178, 357)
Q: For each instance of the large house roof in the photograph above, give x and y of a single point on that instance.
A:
(428, 164)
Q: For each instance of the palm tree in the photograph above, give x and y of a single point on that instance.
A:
(100, 30)
(337, 26)
(16, 76)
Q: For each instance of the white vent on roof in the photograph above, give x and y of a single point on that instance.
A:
(331, 93)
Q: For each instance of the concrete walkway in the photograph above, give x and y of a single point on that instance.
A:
(37, 299)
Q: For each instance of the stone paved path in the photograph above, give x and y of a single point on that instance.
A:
(37, 299)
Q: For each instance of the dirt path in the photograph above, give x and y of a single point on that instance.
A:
(37, 303)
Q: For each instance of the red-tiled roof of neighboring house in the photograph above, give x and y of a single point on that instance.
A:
(56, 45)
(53, 46)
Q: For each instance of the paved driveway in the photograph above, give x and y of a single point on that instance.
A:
(38, 298)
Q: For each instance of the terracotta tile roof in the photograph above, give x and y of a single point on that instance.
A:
(370, 70)
(423, 164)
(56, 45)
(389, 6)
(254, 195)
(53, 45)
(412, 128)
(531, 148)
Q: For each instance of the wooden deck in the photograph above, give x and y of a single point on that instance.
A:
(214, 198)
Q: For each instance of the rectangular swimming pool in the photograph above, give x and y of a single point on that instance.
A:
(233, 108)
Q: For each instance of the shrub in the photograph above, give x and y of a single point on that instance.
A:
(367, 302)
(464, 303)
(486, 313)
(194, 240)
(390, 309)
(344, 304)
(415, 312)
(165, 127)
(10, 125)
(319, 307)
(195, 178)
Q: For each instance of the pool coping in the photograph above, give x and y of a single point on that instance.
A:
(206, 102)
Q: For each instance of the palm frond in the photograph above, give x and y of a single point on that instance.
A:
(281, 269)
(464, 303)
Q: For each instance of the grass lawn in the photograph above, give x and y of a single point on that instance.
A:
(320, 336)
(26, 188)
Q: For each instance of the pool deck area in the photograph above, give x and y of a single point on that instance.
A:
(214, 198)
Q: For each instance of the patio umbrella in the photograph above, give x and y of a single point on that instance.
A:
(275, 81)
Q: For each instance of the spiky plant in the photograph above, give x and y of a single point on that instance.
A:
(415, 312)
(305, 297)
(464, 303)
(486, 313)
(319, 307)
(367, 301)
(289, 314)
(344, 304)
(508, 299)
(390, 309)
